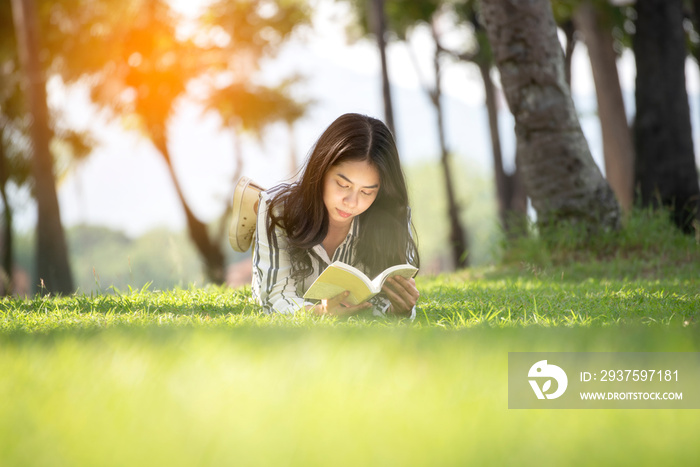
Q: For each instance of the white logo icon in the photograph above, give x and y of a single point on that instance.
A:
(542, 370)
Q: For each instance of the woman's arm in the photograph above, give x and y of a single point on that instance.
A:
(336, 306)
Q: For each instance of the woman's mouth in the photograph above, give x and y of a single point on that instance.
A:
(343, 214)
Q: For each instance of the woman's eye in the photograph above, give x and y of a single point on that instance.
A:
(342, 186)
(365, 193)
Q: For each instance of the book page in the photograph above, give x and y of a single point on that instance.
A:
(403, 270)
(352, 269)
(334, 281)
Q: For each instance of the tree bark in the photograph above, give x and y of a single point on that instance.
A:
(378, 19)
(665, 168)
(618, 149)
(210, 252)
(559, 174)
(7, 250)
(695, 15)
(53, 270)
(695, 18)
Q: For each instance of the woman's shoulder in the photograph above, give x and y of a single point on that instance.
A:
(265, 196)
(274, 197)
(277, 191)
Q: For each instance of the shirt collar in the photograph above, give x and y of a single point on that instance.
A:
(352, 234)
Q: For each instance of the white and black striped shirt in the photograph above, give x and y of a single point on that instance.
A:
(273, 285)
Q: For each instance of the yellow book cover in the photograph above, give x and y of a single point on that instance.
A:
(339, 277)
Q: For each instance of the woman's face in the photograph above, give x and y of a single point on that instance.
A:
(349, 189)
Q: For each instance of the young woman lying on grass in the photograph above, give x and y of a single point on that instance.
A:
(351, 205)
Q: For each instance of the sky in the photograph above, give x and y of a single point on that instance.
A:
(125, 185)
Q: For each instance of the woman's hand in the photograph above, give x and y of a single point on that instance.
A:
(337, 306)
(402, 293)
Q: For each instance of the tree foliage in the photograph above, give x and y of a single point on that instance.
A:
(146, 63)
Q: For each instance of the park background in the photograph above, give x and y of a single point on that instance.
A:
(125, 226)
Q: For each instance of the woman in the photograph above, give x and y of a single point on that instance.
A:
(350, 204)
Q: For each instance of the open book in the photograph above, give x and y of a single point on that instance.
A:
(339, 277)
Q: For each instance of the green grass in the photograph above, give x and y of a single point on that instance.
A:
(201, 377)
(322, 396)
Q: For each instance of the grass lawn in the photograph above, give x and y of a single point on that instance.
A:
(200, 377)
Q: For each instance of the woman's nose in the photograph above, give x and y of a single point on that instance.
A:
(351, 199)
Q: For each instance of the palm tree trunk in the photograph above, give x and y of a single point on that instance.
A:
(696, 24)
(210, 252)
(379, 25)
(6, 265)
(53, 270)
(559, 174)
(618, 148)
(665, 165)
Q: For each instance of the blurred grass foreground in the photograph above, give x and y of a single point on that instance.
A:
(199, 376)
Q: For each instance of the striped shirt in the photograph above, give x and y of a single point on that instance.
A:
(273, 285)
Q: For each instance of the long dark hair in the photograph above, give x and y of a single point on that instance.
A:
(384, 238)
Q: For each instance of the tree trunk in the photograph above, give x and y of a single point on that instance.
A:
(210, 252)
(559, 174)
(458, 239)
(665, 170)
(695, 17)
(378, 19)
(7, 263)
(570, 33)
(618, 149)
(53, 270)
(696, 23)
